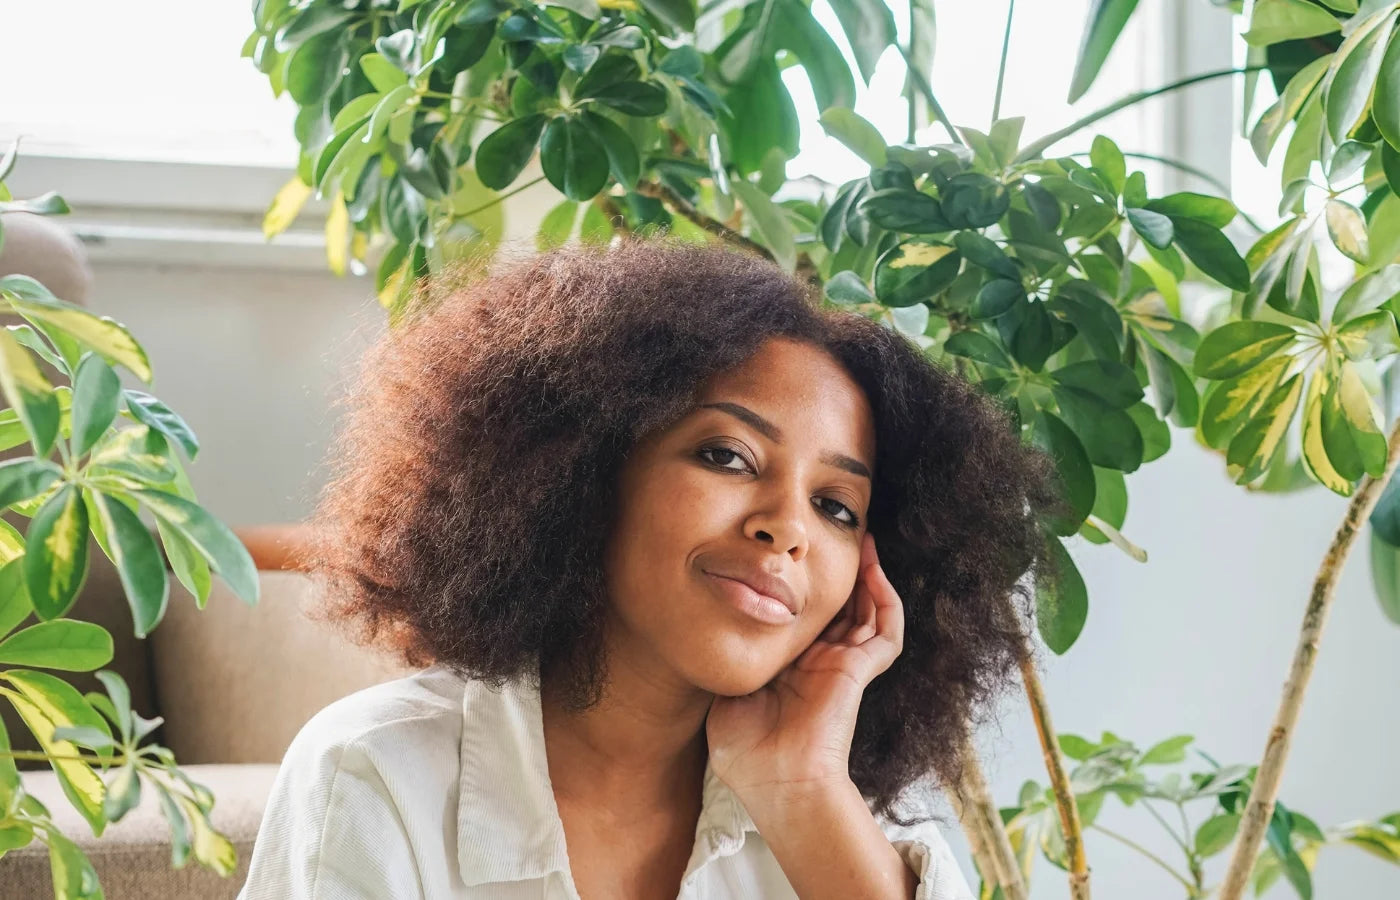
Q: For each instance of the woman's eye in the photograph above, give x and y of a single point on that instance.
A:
(721, 457)
(851, 519)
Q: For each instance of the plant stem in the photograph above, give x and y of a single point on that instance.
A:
(499, 199)
(36, 756)
(1035, 149)
(1170, 830)
(976, 832)
(922, 84)
(679, 204)
(1001, 68)
(1147, 853)
(1059, 781)
(1262, 797)
(983, 809)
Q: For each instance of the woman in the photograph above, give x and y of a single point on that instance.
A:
(702, 578)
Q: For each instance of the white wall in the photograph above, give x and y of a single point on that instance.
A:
(1197, 640)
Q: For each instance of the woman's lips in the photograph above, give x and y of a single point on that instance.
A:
(768, 610)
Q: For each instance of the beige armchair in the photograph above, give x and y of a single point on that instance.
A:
(234, 684)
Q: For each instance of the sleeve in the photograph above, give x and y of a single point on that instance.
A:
(331, 831)
(926, 851)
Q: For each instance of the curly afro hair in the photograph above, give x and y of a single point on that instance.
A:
(473, 481)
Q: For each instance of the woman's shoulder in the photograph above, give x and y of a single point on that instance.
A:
(389, 720)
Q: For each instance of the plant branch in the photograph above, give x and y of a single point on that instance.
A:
(683, 207)
(1262, 797)
(979, 805)
(1038, 147)
(1147, 853)
(1059, 781)
(922, 84)
(1001, 68)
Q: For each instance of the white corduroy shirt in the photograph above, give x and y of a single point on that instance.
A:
(433, 787)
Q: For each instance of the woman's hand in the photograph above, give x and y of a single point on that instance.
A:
(792, 737)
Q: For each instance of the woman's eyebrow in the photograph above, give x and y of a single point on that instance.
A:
(775, 434)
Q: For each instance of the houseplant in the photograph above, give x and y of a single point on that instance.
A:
(1052, 281)
(118, 453)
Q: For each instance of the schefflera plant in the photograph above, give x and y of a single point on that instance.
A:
(1053, 284)
(118, 453)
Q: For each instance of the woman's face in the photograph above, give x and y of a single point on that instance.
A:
(767, 478)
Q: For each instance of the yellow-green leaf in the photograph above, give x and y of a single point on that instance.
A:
(1259, 440)
(1347, 228)
(285, 207)
(55, 559)
(1230, 403)
(211, 848)
(1315, 457)
(47, 703)
(104, 335)
(1236, 347)
(337, 233)
(29, 393)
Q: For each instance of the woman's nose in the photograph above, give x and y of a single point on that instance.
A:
(781, 522)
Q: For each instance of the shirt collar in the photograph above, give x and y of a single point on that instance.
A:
(508, 825)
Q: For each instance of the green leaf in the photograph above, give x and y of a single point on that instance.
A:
(847, 288)
(1110, 436)
(678, 14)
(1061, 600)
(55, 562)
(635, 98)
(25, 479)
(869, 26)
(996, 298)
(1237, 346)
(903, 210)
(155, 414)
(14, 596)
(573, 159)
(139, 564)
(503, 155)
(1352, 77)
(856, 133)
(1289, 105)
(315, 68)
(1105, 156)
(29, 394)
(96, 390)
(1228, 404)
(63, 644)
(1110, 381)
(1385, 576)
(769, 222)
(1076, 473)
(977, 346)
(1215, 211)
(983, 251)
(1275, 21)
(913, 271)
(213, 539)
(384, 75)
(1211, 251)
(1347, 228)
(557, 225)
(1216, 833)
(623, 161)
(1154, 228)
(1172, 750)
(799, 33)
(973, 200)
(1105, 24)
(1385, 108)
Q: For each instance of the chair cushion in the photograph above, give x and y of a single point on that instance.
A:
(236, 683)
(132, 858)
